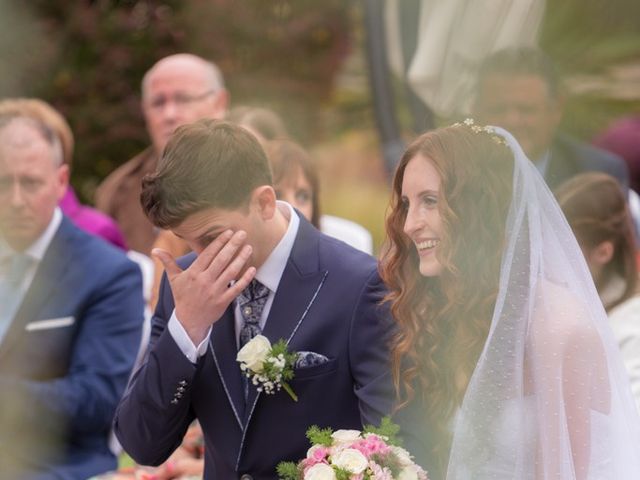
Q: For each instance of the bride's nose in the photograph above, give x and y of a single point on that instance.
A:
(413, 222)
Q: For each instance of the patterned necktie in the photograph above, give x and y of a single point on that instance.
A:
(251, 302)
(15, 269)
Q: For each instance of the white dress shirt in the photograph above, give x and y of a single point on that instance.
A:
(269, 274)
(35, 252)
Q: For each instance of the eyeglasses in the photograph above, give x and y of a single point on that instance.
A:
(180, 100)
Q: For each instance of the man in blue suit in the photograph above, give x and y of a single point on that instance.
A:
(213, 189)
(519, 89)
(70, 319)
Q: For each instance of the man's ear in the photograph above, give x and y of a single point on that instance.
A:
(220, 104)
(264, 200)
(62, 178)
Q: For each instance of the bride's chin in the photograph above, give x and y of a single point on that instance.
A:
(430, 268)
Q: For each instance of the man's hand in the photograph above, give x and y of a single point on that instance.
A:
(202, 292)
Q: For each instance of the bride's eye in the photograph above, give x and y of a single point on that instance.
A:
(430, 201)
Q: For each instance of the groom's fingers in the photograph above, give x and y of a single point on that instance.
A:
(168, 262)
(210, 252)
(236, 289)
(226, 255)
(235, 267)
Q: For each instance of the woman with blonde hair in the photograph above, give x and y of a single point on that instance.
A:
(504, 362)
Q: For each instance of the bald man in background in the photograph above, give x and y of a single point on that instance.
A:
(177, 90)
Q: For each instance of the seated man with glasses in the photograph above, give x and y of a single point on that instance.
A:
(177, 90)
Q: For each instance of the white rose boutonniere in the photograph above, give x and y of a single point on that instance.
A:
(253, 355)
(269, 367)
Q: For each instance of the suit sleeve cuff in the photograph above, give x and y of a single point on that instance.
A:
(180, 336)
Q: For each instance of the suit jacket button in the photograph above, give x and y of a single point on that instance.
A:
(246, 476)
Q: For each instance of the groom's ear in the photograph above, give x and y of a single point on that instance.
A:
(263, 199)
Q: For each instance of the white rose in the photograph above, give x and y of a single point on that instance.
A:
(320, 471)
(409, 473)
(254, 353)
(341, 437)
(351, 460)
(403, 456)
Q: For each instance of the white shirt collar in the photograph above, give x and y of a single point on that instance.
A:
(270, 271)
(38, 248)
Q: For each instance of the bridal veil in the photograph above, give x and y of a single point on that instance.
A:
(549, 397)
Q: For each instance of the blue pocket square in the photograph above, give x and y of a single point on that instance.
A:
(309, 359)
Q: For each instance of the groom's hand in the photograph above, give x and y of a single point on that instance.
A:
(202, 292)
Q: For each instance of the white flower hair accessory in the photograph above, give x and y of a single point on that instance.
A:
(470, 123)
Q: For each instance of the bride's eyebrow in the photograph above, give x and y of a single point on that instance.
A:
(428, 191)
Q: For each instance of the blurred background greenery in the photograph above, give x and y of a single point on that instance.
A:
(302, 58)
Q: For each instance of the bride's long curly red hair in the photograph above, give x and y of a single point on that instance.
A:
(444, 321)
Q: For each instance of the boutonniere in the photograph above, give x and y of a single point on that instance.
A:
(269, 367)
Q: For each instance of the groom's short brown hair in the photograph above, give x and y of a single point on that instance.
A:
(206, 164)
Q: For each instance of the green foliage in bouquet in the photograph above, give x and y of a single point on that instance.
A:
(387, 430)
(319, 436)
(288, 471)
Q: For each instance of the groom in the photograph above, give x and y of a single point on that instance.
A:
(258, 267)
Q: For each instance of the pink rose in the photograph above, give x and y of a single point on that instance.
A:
(379, 473)
(372, 444)
(316, 454)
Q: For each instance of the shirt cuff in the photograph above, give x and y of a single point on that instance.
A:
(183, 341)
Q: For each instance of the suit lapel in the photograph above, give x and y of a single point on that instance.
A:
(47, 282)
(224, 349)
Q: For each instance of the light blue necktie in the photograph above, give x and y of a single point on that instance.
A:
(14, 270)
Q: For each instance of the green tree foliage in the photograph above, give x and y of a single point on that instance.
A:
(92, 55)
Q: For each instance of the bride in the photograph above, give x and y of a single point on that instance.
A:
(504, 364)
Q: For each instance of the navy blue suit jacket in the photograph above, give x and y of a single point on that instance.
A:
(327, 302)
(60, 382)
(570, 157)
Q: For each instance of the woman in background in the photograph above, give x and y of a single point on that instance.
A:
(295, 179)
(597, 212)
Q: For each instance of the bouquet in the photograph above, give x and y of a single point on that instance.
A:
(374, 454)
(268, 367)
